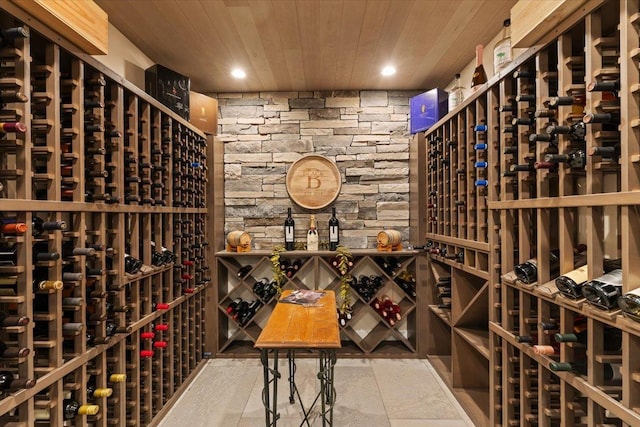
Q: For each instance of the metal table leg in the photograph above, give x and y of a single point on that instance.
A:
(327, 394)
(327, 360)
(292, 371)
(270, 409)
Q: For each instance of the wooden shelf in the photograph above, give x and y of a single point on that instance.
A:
(479, 339)
(370, 335)
(111, 163)
(509, 218)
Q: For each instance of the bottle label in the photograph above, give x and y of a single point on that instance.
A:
(613, 278)
(41, 414)
(617, 375)
(288, 234)
(579, 276)
(502, 54)
(635, 292)
(333, 233)
(312, 241)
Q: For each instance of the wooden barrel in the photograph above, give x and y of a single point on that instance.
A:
(239, 239)
(389, 238)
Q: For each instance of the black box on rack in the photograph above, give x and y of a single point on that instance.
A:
(168, 87)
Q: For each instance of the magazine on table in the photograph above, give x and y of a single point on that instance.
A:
(303, 297)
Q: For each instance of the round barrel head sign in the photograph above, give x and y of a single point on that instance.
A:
(313, 181)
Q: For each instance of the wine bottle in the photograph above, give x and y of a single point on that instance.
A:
(523, 121)
(12, 96)
(608, 151)
(525, 339)
(525, 97)
(243, 271)
(69, 250)
(7, 352)
(293, 268)
(630, 304)
(550, 114)
(334, 230)
(604, 86)
(604, 291)
(544, 137)
(12, 127)
(457, 256)
(10, 226)
(546, 350)
(570, 284)
(96, 392)
(577, 101)
(7, 320)
(249, 312)
(312, 235)
(479, 74)
(605, 118)
(575, 159)
(579, 367)
(9, 383)
(502, 50)
(456, 96)
(576, 131)
(71, 408)
(233, 307)
(157, 306)
(131, 265)
(289, 232)
(527, 272)
(39, 226)
(43, 285)
(580, 337)
(523, 73)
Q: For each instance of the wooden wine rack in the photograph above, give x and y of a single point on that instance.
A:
(523, 214)
(122, 171)
(366, 334)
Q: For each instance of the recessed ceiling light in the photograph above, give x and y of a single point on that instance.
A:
(238, 73)
(388, 70)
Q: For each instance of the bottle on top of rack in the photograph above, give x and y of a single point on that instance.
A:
(603, 292)
(630, 304)
(334, 230)
(479, 74)
(312, 235)
(502, 51)
(456, 96)
(527, 272)
(570, 284)
(289, 231)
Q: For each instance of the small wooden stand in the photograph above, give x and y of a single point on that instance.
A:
(389, 248)
(239, 249)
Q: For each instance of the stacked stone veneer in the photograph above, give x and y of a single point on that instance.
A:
(364, 132)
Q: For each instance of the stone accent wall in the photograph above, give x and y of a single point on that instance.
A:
(364, 132)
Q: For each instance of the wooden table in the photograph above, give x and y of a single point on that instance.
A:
(292, 327)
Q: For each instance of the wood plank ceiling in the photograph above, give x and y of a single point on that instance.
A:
(298, 45)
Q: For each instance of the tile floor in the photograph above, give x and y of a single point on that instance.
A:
(370, 393)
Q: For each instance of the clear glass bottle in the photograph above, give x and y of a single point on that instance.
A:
(502, 55)
(456, 96)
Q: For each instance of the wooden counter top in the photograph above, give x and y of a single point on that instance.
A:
(297, 326)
